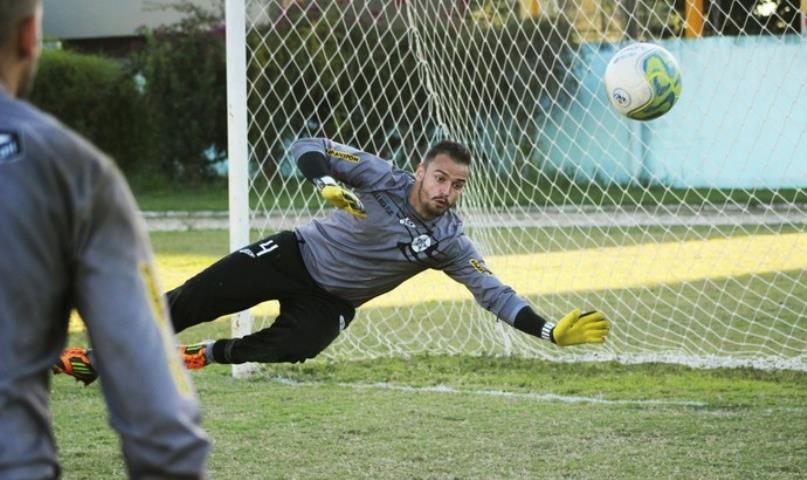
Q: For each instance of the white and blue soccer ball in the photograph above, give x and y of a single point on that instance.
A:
(643, 81)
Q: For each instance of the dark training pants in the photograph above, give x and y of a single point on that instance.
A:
(270, 269)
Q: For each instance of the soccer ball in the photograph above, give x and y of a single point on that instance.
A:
(643, 81)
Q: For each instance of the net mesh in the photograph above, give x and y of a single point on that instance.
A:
(688, 231)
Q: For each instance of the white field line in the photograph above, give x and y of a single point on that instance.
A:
(537, 396)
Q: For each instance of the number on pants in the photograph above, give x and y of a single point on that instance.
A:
(266, 247)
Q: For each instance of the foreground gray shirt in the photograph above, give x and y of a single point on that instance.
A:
(358, 260)
(71, 238)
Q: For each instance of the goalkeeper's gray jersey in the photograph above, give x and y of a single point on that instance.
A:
(357, 260)
(71, 238)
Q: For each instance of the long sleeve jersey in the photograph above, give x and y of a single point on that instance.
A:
(72, 239)
(357, 260)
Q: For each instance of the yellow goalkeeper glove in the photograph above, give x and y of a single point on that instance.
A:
(574, 328)
(340, 197)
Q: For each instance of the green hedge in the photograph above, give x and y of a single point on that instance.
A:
(174, 126)
(98, 98)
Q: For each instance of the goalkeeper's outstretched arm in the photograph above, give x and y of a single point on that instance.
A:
(573, 329)
(469, 268)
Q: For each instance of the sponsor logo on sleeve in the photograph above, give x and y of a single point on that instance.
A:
(348, 157)
(9, 146)
(479, 266)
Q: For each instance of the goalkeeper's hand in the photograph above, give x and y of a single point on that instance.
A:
(340, 197)
(574, 328)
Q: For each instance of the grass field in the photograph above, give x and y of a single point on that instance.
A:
(155, 192)
(475, 417)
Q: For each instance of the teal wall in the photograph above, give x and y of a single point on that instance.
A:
(741, 121)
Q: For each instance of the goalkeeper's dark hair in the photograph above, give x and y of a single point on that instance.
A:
(456, 151)
(11, 13)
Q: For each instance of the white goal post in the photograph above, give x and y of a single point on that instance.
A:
(688, 231)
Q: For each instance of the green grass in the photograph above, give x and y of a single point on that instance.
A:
(324, 420)
(157, 194)
(546, 239)
(516, 240)
(439, 417)
(561, 191)
(154, 193)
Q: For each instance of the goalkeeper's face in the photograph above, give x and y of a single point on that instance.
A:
(438, 186)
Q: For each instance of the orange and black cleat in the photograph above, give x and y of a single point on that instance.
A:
(194, 356)
(75, 361)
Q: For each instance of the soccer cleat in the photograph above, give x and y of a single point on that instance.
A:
(75, 361)
(194, 356)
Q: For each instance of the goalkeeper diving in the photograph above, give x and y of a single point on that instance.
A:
(390, 225)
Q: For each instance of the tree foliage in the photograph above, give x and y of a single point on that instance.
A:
(185, 91)
(96, 97)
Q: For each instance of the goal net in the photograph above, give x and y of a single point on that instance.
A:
(689, 231)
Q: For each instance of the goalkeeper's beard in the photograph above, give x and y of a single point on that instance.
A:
(434, 210)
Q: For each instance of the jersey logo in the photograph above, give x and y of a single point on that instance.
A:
(479, 266)
(419, 248)
(421, 243)
(9, 146)
(348, 157)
